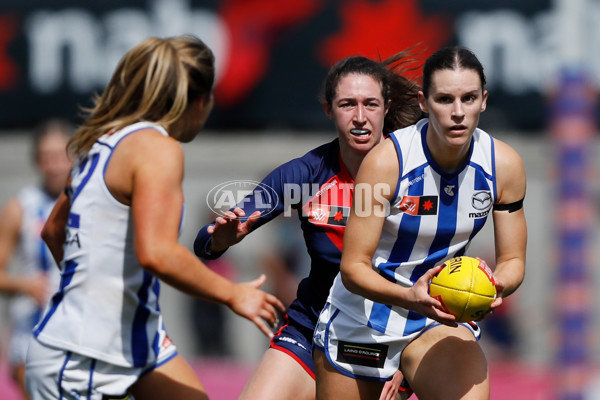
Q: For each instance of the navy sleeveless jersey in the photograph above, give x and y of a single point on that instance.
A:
(319, 187)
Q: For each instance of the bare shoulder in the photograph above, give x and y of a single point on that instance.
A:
(380, 167)
(145, 154)
(151, 140)
(382, 156)
(506, 155)
(149, 144)
(510, 173)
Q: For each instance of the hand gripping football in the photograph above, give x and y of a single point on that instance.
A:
(464, 287)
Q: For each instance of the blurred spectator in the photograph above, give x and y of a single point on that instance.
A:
(36, 275)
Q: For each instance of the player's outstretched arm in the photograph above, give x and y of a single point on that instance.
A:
(256, 305)
(156, 202)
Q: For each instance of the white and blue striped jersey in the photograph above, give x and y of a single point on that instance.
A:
(107, 305)
(433, 216)
(33, 257)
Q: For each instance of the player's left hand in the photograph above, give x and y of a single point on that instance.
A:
(499, 294)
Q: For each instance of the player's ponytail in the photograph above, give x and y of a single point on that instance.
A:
(155, 81)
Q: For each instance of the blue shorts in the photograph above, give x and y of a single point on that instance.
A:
(296, 341)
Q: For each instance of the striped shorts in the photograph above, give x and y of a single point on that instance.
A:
(359, 351)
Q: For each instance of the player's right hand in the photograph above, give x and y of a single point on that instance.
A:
(257, 306)
(426, 305)
(230, 229)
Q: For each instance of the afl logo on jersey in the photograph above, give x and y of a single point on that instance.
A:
(319, 214)
(325, 214)
(419, 205)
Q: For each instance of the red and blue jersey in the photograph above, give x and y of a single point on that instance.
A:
(319, 187)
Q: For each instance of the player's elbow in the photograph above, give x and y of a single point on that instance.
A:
(349, 278)
(51, 235)
(151, 259)
(518, 277)
(348, 284)
(46, 234)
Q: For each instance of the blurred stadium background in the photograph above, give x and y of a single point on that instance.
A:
(543, 68)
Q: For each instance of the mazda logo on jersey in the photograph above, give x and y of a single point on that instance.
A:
(419, 205)
(482, 200)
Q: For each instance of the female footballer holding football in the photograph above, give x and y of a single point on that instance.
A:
(413, 208)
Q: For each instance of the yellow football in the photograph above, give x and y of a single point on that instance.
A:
(464, 287)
